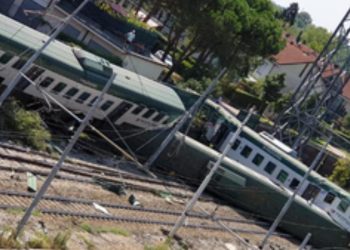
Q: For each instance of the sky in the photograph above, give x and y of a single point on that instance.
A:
(325, 13)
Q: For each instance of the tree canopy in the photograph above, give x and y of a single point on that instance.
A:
(233, 31)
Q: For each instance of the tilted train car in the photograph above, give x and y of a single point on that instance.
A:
(75, 77)
(271, 158)
(247, 189)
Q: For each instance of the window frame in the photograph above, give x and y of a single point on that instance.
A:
(282, 172)
(267, 167)
(58, 85)
(79, 99)
(68, 95)
(246, 151)
(260, 157)
(45, 79)
(108, 103)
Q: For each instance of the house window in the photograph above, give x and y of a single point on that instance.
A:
(329, 198)
(270, 167)
(138, 109)
(246, 151)
(258, 159)
(294, 183)
(158, 117)
(107, 105)
(19, 63)
(71, 92)
(59, 87)
(83, 97)
(343, 206)
(46, 82)
(236, 144)
(282, 176)
(6, 57)
(149, 113)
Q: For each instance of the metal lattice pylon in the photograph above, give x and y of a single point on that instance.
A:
(319, 90)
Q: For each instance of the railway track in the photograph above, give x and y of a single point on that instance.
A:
(130, 214)
(99, 174)
(63, 206)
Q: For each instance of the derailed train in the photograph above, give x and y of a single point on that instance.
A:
(261, 183)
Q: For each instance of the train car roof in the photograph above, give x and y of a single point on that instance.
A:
(290, 161)
(62, 59)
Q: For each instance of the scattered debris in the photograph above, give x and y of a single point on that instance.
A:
(133, 201)
(100, 208)
(31, 182)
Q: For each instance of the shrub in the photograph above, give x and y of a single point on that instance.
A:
(27, 124)
(341, 173)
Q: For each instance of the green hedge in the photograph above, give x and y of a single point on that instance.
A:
(244, 100)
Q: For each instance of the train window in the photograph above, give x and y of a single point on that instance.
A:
(59, 87)
(71, 92)
(1, 79)
(138, 109)
(294, 184)
(149, 113)
(6, 57)
(282, 176)
(246, 151)
(270, 167)
(119, 111)
(329, 198)
(165, 121)
(34, 73)
(92, 101)
(46, 82)
(343, 206)
(158, 117)
(236, 144)
(106, 105)
(310, 192)
(258, 159)
(19, 63)
(83, 97)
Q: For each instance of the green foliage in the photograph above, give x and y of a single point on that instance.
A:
(161, 246)
(341, 173)
(315, 37)
(8, 240)
(98, 230)
(346, 122)
(302, 20)
(272, 86)
(200, 86)
(281, 103)
(28, 124)
(43, 241)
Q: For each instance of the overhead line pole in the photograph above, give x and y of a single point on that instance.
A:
(65, 153)
(35, 56)
(207, 179)
(183, 119)
(292, 197)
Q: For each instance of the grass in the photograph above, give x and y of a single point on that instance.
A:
(161, 246)
(42, 241)
(89, 244)
(8, 241)
(98, 230)
(15, 211)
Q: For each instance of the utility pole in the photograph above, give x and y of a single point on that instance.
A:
(207, 179)
(292, 197)
(183, 119)
(65, 153)
(35, 56)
